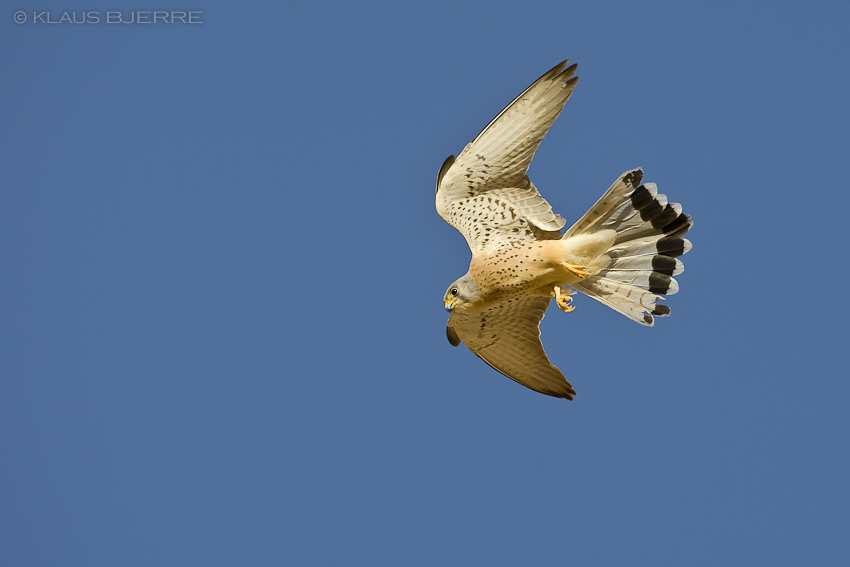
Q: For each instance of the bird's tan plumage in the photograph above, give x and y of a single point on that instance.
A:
(622, 252)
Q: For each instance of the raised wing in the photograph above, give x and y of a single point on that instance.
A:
(507, 337)
(485, 193)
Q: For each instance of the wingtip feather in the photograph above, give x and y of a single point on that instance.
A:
(444, 169)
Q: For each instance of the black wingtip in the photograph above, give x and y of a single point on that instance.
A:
(443, 169)
(564, 73)
(454, 340)
(556, 70)
(567, 393)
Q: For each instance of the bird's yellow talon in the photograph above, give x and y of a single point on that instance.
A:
(563, 301)
(580, 271)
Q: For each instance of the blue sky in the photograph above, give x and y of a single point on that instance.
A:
(221, 277)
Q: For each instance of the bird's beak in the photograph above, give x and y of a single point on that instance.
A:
(450, 304)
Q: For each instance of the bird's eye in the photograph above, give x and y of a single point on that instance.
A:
(453, 291)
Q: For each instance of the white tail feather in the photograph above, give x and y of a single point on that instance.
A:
(631, 305)
(643, 259)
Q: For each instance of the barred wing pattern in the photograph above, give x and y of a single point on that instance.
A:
(506, 335)
(485, 193)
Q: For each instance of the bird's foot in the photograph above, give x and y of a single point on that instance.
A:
(563, 300)
(580, 271)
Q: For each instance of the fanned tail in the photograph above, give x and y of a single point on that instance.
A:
(637, 270)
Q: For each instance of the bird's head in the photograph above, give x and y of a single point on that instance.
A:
(461, 295)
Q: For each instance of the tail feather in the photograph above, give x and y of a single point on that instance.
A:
(647, 262)
(612, 199)
(633, 302)
(644, 256)
(673, 246)
(627, 215)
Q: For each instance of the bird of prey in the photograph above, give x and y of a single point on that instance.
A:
(623, 252)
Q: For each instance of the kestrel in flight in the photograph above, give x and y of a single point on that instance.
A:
(623, 252)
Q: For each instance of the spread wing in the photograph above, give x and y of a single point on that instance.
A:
(485, 193)
(506, 336)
